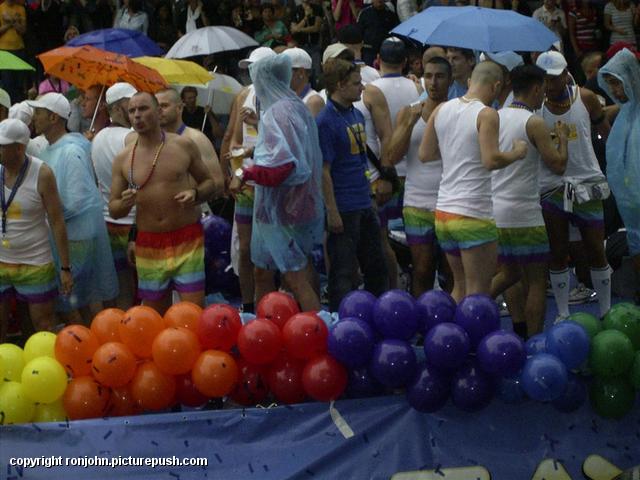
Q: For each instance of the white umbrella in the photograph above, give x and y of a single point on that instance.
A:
(208, 40)
(218, 93)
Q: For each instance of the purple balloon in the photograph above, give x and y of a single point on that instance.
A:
(351, 342)
(393, 363)
(358, 304)
(471, 388)
(570, 342)
(362, 384)
(501, 353)
(435, 306)
(395, 315)
(217, 236)
(478, 314)
(544, 377)
(574, 395)
(446, 346)
(429, 390)
(536, 344)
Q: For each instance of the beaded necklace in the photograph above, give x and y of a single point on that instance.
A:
(520, 105)
(132, 184)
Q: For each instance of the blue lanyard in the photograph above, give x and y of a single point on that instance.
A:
(14, 190)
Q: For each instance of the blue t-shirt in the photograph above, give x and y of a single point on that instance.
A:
(337, 128)
(456, 90)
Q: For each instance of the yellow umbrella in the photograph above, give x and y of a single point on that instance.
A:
(177, 71)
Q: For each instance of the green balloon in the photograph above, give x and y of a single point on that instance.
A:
(612, 397)
(590, 323)
(635, 372)
(611, 354)
(626, 318)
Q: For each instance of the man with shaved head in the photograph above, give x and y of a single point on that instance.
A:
(464, 133)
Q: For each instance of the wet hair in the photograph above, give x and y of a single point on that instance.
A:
(524, 77)
(441, 61)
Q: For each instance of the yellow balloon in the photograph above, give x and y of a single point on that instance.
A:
(15, 406)
(44, 380)
(11, 362)
(50, 412)
(40, 344)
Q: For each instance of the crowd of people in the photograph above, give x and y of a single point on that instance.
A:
(497, 164)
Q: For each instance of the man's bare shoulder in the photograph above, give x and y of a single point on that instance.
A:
(125, 152)
(195, 135)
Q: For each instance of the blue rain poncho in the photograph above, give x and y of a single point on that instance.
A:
(623, 144)
(288, 219)
(92, 266)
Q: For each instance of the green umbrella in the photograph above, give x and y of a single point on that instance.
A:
(9, 61)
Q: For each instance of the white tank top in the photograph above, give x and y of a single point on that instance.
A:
(516, 198)
(582, 163)
(465, 188)
(373, 142)
(423, 179)
(27, 228)
(399, 92)
(310, 94)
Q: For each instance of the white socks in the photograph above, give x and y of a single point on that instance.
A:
(601, 279)
(560, 287)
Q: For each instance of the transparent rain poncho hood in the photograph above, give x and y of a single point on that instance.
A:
(288, 219)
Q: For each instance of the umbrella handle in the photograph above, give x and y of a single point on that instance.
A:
(95, 112)
(204, 120)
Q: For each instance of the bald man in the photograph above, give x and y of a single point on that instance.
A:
(464, 133)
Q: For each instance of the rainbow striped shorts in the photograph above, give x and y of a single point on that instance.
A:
(31, 283)
(119, 239)
(585, 215)
(419, 225)
(458, 232)
(523, 245)
(166, 260)
(244, 206)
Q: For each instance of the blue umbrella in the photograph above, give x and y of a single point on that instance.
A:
(119, 40)
(477, 28)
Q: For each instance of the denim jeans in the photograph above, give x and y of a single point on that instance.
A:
(360, 240)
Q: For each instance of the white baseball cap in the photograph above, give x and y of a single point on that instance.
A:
(54, 102)
(333, 50)
(508, 60)
(118, 91)
(12, 131)
(552, 62)
(299, 58)
(22, 112)
(257, 54)
(5, 99)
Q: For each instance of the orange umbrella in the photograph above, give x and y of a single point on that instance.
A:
(86, 66)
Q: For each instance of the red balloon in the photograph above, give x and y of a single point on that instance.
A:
(151, 389)
(139, 328)
(85, 398)
(113, 364)
(219, 327)
(122, 403)
(105, 325)
(324, 379)
(285, 380)
(305, 336)
(252, 386)
(187, 393)
(277, 307)
(183, 314)
(74, 349)
(259, 341)
(175, 350)
(215, 373)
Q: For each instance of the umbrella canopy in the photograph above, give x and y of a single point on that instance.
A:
(131, 43)
(177, 71)
(87, 66)
(208, 40)
(218, 93)
(9, 61)
(477, 28)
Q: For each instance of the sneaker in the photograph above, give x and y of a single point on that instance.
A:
(581, 294)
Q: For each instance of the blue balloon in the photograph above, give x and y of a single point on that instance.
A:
(393, 363)
(501, 353)
(536, 344)
(434, 307)
(544, 377)
(395, 315)
(510, 390)
(429, 390)
(362, 384)
(351, 342)
(479, 315)
(446, 346)
(573, 396)
(471, 388)
(358, 304)
(569, 341)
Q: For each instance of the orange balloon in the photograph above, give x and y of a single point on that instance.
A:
(215, 373)
(85, 398)
(105, 325)
(139, 328)
(183, 314)
(122, 403)
(175, 350)
(74, 349)
(151, 389)
(113, 364)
